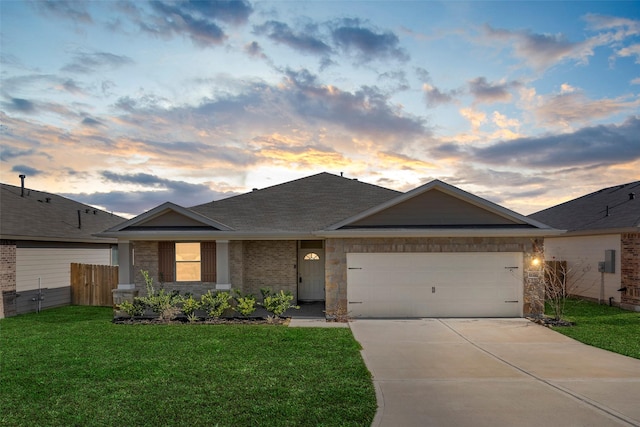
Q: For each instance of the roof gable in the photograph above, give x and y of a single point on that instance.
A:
(437, 205)
(169, 216)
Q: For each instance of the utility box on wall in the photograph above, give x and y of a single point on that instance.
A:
(610, 261)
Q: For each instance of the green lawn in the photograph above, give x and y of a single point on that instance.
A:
(602, 326)
(72, 367)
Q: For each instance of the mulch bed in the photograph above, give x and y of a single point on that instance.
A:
(143, 320)
(549, 322)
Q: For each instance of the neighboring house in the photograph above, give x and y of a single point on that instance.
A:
(602, 244)
(41, 234)
(365, 250)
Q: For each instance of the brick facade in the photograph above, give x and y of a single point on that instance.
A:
(630, 270)
(7, 278)
(270, 263)
(253, 265)
(146, 258)
(337, 249)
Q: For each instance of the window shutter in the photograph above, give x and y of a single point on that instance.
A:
(208, 260)
(166, 261)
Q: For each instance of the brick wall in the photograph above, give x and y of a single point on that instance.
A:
(146, 258)
(337, 249)
(253, 265)
(630, 270)
(269, 263)
(7, 278)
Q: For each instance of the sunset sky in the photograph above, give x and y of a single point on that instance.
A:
(127, 104)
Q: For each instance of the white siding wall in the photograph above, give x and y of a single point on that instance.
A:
(53, 265)
(582, 255)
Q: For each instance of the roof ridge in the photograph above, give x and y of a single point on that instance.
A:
(293, 182)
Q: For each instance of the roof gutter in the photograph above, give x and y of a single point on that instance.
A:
(98, 239)
(156, 235)
(208, 235)
(440, 233)
(602, 231)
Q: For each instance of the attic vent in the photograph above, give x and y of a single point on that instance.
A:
(48, 199)
(632, 196)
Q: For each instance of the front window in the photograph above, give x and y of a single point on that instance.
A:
(188, 262)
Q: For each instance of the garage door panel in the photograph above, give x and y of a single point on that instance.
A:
(434, 284)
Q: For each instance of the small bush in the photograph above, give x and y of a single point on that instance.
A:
(161, 302)
(189, 305)
(215, 304)
(277, 303)
(245, 304)
(135, 308)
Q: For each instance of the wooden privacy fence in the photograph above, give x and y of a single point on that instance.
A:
(92, 284)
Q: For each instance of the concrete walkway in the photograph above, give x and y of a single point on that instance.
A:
(494, 372)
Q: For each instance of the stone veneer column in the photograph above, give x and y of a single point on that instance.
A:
(223, 280)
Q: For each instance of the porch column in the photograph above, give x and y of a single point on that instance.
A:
(223, 280)
(126, 290)
(125, 265)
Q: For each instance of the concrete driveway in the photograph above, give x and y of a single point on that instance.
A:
(494, 372)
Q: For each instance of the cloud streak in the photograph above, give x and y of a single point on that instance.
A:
(594, 145)
(367, 44)
(148, 191)
(90, 62)
(198, 20)
(540, 51)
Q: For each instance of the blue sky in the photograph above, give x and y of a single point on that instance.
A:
(125, 105)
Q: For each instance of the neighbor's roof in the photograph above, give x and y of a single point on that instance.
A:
(302, 205)
(50, 217)
(611, 208)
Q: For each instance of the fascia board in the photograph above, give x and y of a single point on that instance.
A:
(598, 232)
(364, 233)
(210, 235)
(98, 239)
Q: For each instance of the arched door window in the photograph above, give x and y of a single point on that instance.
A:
(311, 256)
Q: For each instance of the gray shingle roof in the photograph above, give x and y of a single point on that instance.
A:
(49, 217)
(306, 204)
(590, 212)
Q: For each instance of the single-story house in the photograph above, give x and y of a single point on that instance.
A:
(602, 244)
(365, 250)
(41, 234)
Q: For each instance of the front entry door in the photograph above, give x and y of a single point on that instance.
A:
(311, 274)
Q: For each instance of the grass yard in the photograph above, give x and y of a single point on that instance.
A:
(602, 326)
(72, 367)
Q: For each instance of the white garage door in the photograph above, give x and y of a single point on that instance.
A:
(477, 284)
